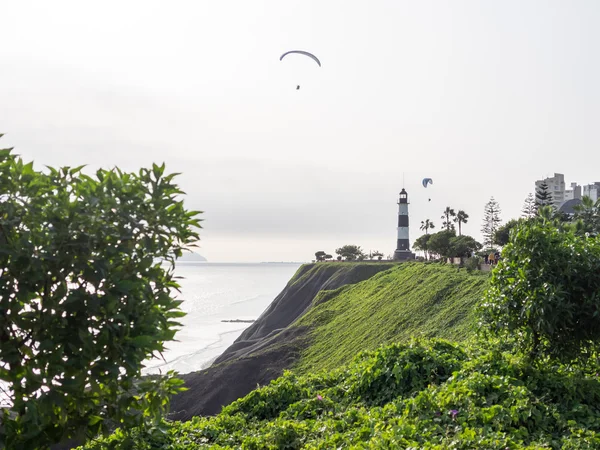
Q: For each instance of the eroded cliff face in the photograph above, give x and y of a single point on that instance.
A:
(269, 346)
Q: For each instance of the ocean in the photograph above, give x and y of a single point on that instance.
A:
(211, 293)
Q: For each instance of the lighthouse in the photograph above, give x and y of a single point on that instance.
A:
(403, 252)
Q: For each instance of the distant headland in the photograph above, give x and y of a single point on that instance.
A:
(192, 257)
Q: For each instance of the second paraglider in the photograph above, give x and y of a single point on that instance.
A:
(426, 182)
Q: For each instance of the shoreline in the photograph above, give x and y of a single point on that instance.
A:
(215, 345)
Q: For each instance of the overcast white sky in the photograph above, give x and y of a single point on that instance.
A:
(482, 96)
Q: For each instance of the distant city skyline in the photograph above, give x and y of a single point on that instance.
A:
(483, 97)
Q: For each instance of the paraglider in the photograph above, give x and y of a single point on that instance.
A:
(427, 181)
(302, 52)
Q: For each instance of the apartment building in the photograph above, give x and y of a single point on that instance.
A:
(560, 193)
(592, 190)
(556, 186)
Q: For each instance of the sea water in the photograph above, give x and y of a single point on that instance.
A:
(212, 294)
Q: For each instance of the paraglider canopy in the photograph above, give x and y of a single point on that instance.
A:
(302, 52)
(427, 181)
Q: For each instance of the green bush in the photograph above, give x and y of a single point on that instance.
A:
(545, 292)
(400, 370)
(267, 403)
(473, 263)
(84, 298)
(481, 398)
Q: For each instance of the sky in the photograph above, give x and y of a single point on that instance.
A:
(484, 97)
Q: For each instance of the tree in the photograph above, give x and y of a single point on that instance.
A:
(551, 215)
(339, 258)
(543, 196)
(463, 246)
(320, 255)
(377, 254)
(491, 222)
(86, 296)
(502, 234)
(350, 252)
(447, 216)
(544, 292)
(447, 244)
(529, 210)
(461, 217)
(427, 225)
(440, 243)
(328, 257)
(421, 243)
(587, 216)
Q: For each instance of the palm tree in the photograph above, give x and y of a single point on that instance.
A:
(427, 225)
(461, 217)
(448, 214)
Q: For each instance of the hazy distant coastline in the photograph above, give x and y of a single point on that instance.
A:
(192, 257)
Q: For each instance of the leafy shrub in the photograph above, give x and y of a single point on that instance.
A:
(84, 299)
(473, 263)
(502, 234)
(491, 399)
(546, 292)
(268, 402)
(399, 370)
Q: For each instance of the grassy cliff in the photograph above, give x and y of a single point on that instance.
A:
(408, 300)
(327, 313)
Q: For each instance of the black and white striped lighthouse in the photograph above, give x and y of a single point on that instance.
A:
(403, 245)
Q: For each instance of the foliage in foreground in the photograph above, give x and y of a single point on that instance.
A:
(83, 300)
(546, 290)
(428, 394)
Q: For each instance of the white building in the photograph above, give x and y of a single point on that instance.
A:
(592, 191)
(556, 187)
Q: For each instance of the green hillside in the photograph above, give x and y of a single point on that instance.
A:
(408, 300)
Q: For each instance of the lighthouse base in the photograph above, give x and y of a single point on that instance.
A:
(403, 255)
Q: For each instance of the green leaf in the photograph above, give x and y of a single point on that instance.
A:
(93, 420)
